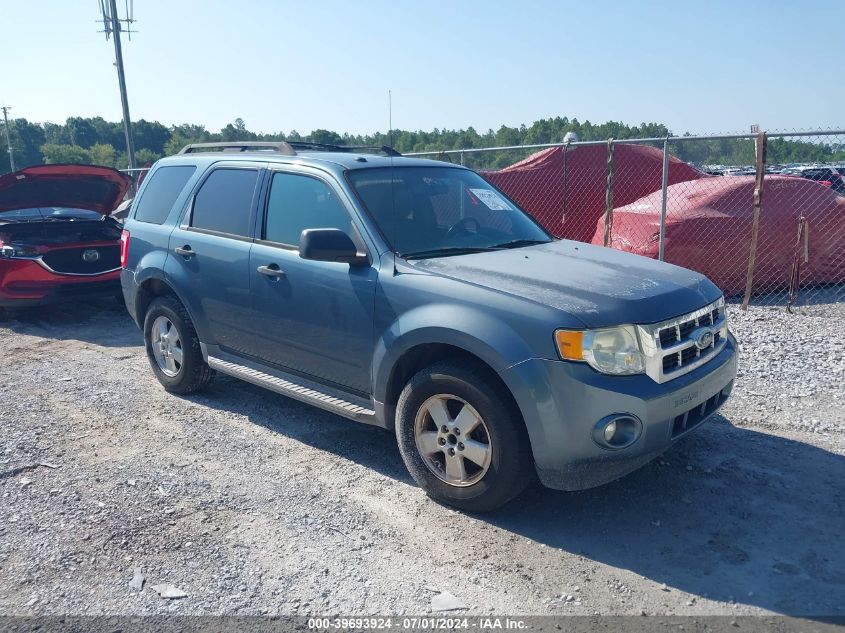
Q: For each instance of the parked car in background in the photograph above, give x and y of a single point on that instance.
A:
(57, 241)
(822, 174)
(413, 295)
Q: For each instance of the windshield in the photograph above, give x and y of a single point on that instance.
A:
(431, 211)
(42, 213)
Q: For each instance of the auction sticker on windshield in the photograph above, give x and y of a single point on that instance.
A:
(491, 199)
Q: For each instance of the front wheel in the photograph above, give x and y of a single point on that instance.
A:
(173, 347)
(461, 441)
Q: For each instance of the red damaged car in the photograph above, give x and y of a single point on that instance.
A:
(57, 241)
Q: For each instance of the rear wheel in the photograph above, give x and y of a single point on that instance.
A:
(462, 442)
(173, 347)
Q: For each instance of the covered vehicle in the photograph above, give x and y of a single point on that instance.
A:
(564, 188)
(57, 239)
(708, 229)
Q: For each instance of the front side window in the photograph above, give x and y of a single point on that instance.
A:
(299, 202)
(224, 201)
(161, 192)
(432, 211)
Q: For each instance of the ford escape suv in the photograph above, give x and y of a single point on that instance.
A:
(413, 295)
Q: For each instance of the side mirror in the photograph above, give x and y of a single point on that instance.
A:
(329, 245)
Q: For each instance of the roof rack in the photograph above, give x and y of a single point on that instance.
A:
(288, 148)
(239, 146)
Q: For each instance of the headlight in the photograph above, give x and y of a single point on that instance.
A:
(613, 350)
(8, 251)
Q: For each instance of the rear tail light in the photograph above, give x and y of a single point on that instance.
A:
(124, 248)
(826, 183)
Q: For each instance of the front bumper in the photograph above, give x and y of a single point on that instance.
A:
(561, 402)
(25, 283)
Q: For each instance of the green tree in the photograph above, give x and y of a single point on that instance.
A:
(145, 157)
(27, 139)
(81, 132)
(102, 154)
(152, 136)
(54, 153)
(55, 134)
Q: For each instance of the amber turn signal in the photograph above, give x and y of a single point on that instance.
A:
(570, 344)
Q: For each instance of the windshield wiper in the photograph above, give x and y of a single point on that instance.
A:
(448, 250)
(518, 243)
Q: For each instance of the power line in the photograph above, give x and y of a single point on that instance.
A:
(8, 140)
(112, 26)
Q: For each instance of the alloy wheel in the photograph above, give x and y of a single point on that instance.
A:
(166, 346)
(453, 440)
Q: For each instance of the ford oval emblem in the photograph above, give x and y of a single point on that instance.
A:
(90, 256)
(703, 338)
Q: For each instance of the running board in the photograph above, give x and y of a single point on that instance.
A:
(298, 389)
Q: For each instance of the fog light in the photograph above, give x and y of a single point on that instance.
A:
(617, 431)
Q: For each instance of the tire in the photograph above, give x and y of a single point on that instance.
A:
(491, 477)
(188, 372)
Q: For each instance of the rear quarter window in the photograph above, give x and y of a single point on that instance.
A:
(161, 192)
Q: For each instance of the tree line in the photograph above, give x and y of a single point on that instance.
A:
(97, 141)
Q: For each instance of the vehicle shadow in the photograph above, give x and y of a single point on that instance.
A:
(103, 322)
(728, 514)
(367, 445)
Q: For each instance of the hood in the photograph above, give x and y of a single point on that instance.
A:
(76, 186)
(600, 286)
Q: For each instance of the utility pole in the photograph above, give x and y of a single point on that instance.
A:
(8, 140)
(112, 24)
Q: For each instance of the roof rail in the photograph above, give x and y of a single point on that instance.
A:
(239, 146)
(328, 147)
(288, 148)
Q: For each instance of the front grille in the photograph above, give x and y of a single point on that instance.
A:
(675, 334)
(674, 347)
(695, 416)
(74, 261)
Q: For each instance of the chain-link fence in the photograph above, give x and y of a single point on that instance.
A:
(762, 215)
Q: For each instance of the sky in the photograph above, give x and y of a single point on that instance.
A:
(701, 67)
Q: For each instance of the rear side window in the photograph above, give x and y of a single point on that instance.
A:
(161, 192)
(300, 202)
(224, 201)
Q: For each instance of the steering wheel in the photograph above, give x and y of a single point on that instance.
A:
(463, 226)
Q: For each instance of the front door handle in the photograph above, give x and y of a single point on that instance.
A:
(184, 251)
(271, 270)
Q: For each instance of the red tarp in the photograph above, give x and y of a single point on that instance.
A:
(708, 229)
(564, 189)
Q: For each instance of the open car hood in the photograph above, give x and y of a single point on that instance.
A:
(75, 186)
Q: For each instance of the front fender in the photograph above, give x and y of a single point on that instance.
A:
(471, 329)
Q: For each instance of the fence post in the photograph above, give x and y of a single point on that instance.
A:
(661, 253)
(760, 151)
(462, 158)
(608, 198)
(566, 143)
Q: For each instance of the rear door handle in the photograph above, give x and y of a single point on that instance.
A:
(271, 270)
(184, 251)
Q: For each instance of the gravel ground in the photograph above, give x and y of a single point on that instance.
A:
(251, 503)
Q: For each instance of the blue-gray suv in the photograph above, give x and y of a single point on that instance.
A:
(413, 295)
